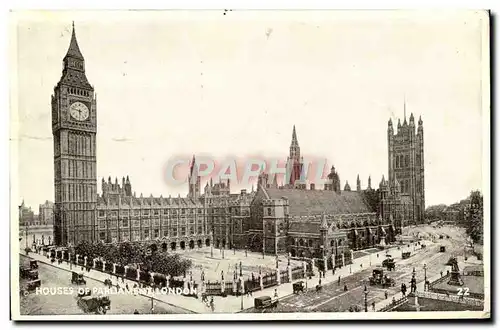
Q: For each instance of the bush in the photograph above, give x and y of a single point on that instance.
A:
(120, 270)
(131, 273)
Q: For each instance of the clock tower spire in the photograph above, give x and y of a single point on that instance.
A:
(74, 129)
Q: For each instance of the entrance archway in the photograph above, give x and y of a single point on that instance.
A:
(173, 246)
(183, 245)
(207, 242)
(199, 243)
(191, 244)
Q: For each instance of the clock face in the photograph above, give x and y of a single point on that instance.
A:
(79, 111)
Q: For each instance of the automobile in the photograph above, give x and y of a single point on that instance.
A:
(389, 263)
(32, 285)
(96, 305)
(264, 302)
(406, 255)
(442, 248)
(298, 287)
(378, 278)
(77, 278)
(33, 264)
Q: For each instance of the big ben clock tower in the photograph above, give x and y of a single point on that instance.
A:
(74, 130)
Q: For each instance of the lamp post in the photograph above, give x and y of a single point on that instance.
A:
(425, 277)
(212, 245)
(366, 299)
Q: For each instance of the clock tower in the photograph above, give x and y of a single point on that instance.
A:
(74, 128)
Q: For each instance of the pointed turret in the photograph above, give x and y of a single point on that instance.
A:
(369, 183)
(347, 187)
(295, 142)
(399, 123)
(128, 181)
(74, 50)
(412, 119)
(324, 223)
(358, 184)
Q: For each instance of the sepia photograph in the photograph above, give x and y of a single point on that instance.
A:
(250, 165)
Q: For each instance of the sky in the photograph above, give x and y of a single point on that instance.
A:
(179, 83)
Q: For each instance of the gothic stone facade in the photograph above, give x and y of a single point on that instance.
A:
(406, 164)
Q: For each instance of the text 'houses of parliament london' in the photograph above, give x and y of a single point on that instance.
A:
(305, 221)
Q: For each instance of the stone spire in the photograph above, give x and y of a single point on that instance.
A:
(295, 142)
(358, 184)
(74, 50)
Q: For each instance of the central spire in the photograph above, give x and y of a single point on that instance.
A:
(74, 50)
(295, 142)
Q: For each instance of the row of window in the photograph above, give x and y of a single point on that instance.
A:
(173, 231)
(102, 213)
(136, 235)
(78, 91)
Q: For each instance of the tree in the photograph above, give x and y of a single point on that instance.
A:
(474, 227)
(372, 198)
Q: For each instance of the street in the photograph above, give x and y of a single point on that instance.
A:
(53, 277)
(333, 298)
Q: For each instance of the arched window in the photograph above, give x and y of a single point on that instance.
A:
(269, 211)
(397, 161)
(407, 161)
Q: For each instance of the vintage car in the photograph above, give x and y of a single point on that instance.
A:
(33, 264)
(378, 278)
(32, 275)
(77, 278)
(389, 263)
(24, 271)
(406, 255)
(32, 285)
(265, 302)
(96, 305)
(442, 248)
(298, 287)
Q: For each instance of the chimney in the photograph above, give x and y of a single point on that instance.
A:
(313, 186)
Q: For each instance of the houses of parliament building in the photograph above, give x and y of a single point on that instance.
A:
(288, 218)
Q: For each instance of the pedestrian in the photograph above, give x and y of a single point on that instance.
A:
(386, 295)
(441, 273)
(339, 279)
(373, 306)
(345, 287)
(212, 305)
(276, 293)
(361, 265)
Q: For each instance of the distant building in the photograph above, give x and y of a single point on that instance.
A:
(26, 215)
(46, 214)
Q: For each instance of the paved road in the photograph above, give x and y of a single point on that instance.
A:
(333, 298)
(53, 277)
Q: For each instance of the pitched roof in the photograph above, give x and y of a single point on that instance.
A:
(74, 50)
(313, 202)
(301, 226)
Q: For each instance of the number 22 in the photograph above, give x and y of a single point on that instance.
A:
(463, 291)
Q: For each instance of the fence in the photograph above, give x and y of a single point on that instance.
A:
(452, 298)
(297, 273)
(284, 277)
(394, 304)
(269, 280)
